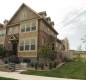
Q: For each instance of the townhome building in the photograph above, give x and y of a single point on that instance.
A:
(23, 34)
(2, 34)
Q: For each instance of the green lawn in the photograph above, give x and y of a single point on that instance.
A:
(75, 70)
(2, 78)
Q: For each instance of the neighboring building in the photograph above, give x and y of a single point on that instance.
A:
(78, 54)
(60, 50)
(66, 52)
(26, 31)
(2, 34)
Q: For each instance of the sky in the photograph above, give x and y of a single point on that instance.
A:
(69, 16)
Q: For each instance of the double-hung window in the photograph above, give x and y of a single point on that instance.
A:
(23, 15)
(23, 28)
(33, 26)
(53, 46)
(27, 44)
(27, 27)
(22, 45)
(33, 44)
(3, 33)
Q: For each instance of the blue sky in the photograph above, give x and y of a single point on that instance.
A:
(69, 16)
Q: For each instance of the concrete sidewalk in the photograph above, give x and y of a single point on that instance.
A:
(18, 76)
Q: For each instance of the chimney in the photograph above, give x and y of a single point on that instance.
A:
(5, 22)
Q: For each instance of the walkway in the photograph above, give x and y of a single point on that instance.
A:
(18, 76)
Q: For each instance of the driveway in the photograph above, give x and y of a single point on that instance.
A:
(18, 76)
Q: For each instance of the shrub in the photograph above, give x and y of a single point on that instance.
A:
(32, 65)
(42, 66)
(67, 59)
(36, 65)
(50, 66)
(14, 59)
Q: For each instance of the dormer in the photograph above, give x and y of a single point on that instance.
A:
(42, 14)
(52, 23)
(48, 19)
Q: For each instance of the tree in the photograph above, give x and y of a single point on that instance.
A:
(2, 52)
(45, 53)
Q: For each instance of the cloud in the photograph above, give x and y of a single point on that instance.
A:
(72, 23)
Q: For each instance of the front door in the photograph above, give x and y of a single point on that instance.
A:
(14, 48)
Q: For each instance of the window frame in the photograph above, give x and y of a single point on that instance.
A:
(29, 39)
(20, 45)
(23, 15)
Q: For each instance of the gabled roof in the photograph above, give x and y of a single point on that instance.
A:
(13, 37)
(20, 8)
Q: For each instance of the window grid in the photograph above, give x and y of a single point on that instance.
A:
(29, 44)
(2, 33)
(28, 27)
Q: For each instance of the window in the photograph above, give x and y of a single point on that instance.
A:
(23, 28)
(21, 45)
(26, 60)
(53, 47)
(23, 15)
(3, 33)
(27, 44)
(33, 26)
(28, 27)
(32, 44)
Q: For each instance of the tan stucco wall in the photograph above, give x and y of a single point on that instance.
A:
(27, 54)
(28, 35)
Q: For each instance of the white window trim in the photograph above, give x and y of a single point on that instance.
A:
(29, 44)
(2, 33)
(23, 15)
(30, 26)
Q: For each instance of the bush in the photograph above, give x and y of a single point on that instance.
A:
(42, 66)
(36, 65)
(32, 65)
(50, 66)
(66, 59)
(14, 59)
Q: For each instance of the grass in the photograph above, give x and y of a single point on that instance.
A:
(75, 70)
(3, 78)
